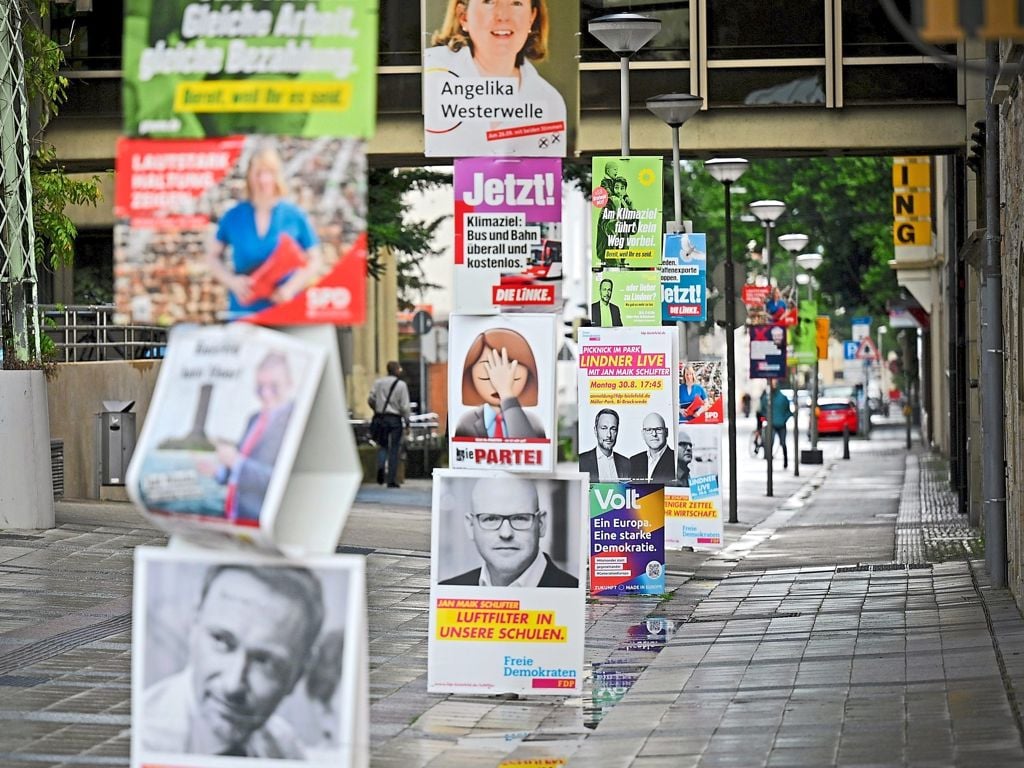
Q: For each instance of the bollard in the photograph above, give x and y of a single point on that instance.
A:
(907, 412)
(846, 442)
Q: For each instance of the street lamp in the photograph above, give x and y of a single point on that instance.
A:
(767, 212)
(794, 243)
(674, 109)
(810, 262)
(726, 170)
(883, 391)
(624, 34)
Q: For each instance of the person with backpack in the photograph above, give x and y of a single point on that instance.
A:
(389, 399)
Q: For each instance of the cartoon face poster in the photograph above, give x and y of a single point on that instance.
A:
(501, 398)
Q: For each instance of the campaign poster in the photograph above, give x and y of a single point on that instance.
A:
(509, 94)
(224, 427)
(804, 335)
(501, 392)
(297, 625)
(268, 230)
(195, 70)
(508, 248)
(627, 404)
(697, 524)
(684, 278)
(507, 583)
(627, 539)
(700, 392)
(754, 298)
(626, 212)
(624, 298)
(767, 351)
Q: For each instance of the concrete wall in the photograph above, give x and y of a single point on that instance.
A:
(26, 486)
(1012, 150)
(75, 396)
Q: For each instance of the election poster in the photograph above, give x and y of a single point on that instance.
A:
(224, 427)
(512, 91)
(754, 298)
(700, 392)
(804, 335)
(693, 523)
(508, 249)
(626, 212)
(623, 298)
(297, 626)
(508, 583)
(195, 69)
(627, 539)
(268, 230)
(684, 278)
(627, 404)
(501, 392)
(767, 351)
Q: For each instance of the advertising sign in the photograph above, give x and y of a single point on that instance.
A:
(804, 335)
(821, 325)
(754, 298)
(268, 230)
(296, 626)
(690, 522)
(193, 70)
(626, 216)
(767, 351)
(626, 298)
(627, 404)
(700, 392)
(508, 252)
(684, 278)
(507, 92)
(627, 539)
(508, 576)
(501, 392)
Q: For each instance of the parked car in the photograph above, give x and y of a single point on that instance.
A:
(834, 413)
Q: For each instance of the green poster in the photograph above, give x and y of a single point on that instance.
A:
(623, 298)
(195, 69)
(803, 335)
(626, 217)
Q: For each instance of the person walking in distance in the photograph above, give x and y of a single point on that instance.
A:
(389, 397)
(778, 415)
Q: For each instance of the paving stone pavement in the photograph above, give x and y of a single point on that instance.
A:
(852, 662)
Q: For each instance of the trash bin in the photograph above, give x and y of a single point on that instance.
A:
(115, 440)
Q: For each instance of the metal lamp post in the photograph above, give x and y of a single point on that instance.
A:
(727, 171)
(810, 262)
(624, 34)
(768, 212)
(674, 109)
(795, 243)
(883, 392)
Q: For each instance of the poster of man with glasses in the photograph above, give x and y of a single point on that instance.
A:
(508, 578)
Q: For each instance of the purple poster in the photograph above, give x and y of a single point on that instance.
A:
(508, 247)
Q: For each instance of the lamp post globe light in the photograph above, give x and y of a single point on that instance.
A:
(768, 212)
(674, 109)
(811, 261)
(726, 171)
(624, 34)
(794, 243)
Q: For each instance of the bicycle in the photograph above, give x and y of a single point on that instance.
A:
(757, 437)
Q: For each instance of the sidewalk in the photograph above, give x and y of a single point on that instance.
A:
(819, 636)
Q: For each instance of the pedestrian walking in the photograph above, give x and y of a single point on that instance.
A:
(778, 415)
(389, 399)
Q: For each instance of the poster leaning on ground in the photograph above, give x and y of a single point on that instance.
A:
(508, 248)
(501, 392)
(270, 230)
(627, 539)
(508, 583)
(694, 504)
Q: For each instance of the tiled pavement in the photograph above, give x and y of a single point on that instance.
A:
(804, 666)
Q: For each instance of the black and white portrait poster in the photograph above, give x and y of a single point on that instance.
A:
(248, 660)
(508, 580)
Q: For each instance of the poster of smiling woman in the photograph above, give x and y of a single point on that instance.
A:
(501, 398)
(500, 77)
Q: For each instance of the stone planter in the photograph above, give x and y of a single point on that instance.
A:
(26, 485)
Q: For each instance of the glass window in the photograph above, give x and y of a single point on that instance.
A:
(766, 29)
(867, 30)
(399, 94)
(672, 43)
(882, 84)
(91, 39)
(767, 87)
(399, 38)
(600, 89)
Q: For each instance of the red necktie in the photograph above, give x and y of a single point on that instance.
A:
(247, 447)
(498, 431)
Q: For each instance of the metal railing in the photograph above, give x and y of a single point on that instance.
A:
(87, 333)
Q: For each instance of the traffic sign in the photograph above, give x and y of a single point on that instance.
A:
(422, 322)
(850, 349)
(867, 350)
